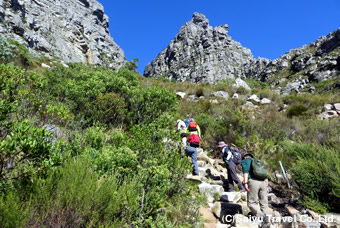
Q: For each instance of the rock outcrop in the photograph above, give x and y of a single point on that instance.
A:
(74, 31)
(296, 70)
(201, 53)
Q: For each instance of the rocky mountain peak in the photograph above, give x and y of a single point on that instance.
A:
(200, 20)
(74, 31)
(201, 53)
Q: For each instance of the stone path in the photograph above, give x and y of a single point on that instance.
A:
(229, 209)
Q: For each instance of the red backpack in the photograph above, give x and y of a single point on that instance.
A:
(194, 140)
(192, 126)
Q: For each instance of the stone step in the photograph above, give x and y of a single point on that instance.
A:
(198, 178)
(207, 216)
(204, 157)
(232, 197)
(211, 192)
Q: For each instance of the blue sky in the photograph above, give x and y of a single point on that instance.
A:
(269, 28)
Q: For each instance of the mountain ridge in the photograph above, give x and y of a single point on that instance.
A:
(200, 53)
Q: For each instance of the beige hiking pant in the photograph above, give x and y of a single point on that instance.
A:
(258, 194)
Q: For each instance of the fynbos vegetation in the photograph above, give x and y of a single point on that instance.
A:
(87, 146)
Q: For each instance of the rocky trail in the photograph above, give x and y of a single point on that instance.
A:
(229, 209)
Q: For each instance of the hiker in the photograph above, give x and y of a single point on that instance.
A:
(232, 158)
(193, 128)
(181, 126)
(190, 151)
(256, 186)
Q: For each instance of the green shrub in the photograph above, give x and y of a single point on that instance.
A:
(75, 196)
(109, 108)
(199, 92)
(8, 51)
(145, 105)
(12, 51)
(257, 84)
(23, 54)
(296, 110)
(13, 212)
(23, 151)
(316, 170)
(94, 137)
(121, 160)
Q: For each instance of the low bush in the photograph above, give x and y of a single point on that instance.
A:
(296, 110)
(316, 169)
(24, 151)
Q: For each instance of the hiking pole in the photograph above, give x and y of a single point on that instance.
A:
(284, 174)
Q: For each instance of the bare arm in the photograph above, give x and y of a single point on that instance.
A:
(245, 181)
(267, 185)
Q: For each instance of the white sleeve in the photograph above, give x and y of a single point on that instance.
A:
(184, 142)
(229, 154)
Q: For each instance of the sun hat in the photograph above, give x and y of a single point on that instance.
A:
(221, 144)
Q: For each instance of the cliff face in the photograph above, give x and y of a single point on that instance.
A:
(201, 53)
(73, 30)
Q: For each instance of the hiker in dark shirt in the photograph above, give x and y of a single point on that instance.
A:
(231, 167)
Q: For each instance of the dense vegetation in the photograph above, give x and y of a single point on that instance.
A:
(89, 146)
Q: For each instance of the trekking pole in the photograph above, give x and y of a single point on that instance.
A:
(284, 174)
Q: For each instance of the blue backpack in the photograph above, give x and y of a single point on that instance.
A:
(186, 123)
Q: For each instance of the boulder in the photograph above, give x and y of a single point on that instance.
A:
(337, 106)
(232, 197)
(272, 197)
(240, 83)
(56, 132)
(265, 101)
(254, 98)
(181, 94)
(328, 107)
(222, 94)
(204, 157)
(212, 192)
(44, 65)
(249, 105)
(201, 164)
(245, 208)
(235, 96)
(292, 211)
(206, 215)
(327, 115)
(197, 178)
